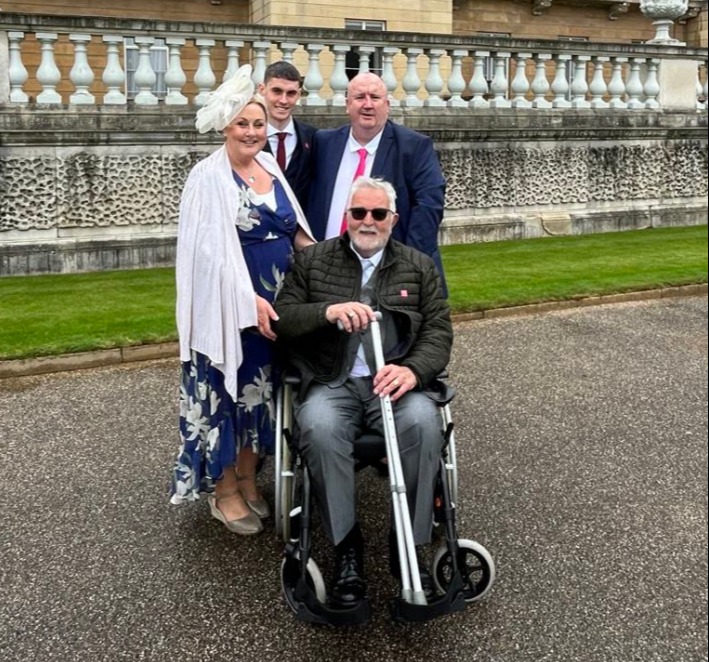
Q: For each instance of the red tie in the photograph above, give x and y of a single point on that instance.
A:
(281, 151)
(358, 173)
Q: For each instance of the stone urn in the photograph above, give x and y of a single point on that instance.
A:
(663, 13)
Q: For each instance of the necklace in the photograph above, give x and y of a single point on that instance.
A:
(250, 178)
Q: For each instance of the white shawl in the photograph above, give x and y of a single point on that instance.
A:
(215, 297)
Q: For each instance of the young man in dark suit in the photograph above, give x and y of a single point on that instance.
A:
(289, 140)
(373, 146)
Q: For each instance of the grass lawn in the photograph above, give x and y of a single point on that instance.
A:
(47, 315)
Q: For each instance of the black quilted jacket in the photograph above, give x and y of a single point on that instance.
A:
(408, 293)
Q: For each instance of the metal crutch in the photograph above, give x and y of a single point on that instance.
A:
(411, 590)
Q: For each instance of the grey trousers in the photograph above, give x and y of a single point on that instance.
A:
(330, 419)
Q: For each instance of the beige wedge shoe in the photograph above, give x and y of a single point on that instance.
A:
(259, 506)
(243, 526)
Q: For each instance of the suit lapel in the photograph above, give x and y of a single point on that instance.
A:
(334, 156)
(381, 159)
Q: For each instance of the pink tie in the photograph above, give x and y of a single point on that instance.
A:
(281, 151)
(358, 173)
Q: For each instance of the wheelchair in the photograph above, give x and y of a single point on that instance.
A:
(463, 570)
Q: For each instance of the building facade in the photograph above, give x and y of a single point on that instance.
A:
(593, 20)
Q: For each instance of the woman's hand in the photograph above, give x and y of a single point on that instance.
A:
(265, 314)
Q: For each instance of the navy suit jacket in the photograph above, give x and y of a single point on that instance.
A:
(298, 172)
(404, 158)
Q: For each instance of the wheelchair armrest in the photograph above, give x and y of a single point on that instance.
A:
(291, 376)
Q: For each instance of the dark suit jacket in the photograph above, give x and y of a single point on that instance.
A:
(404, 158)
(298, 171)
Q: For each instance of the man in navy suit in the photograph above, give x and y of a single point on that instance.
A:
(281, 90)
(373, 146)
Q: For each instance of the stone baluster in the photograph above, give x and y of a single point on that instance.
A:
(579, 86)
(288, 48)
(434, 80)
(17, 72)
(520, 84)
(701, 89)
(652, 85)
(598, 87)
(204, 77)
(456, 82)
(634, 86)
(560, 86)
(478, 83)
(698, 87)
(81, 74)
(313, 78)
(616, 86)
(175, 77)
(388, 75)
(411, 81)
(113, 76)
(338, 79)
(499, 83)
(48, 74)
(365, 54)
(261, 50)
(540, 83)
(232, 57)
(144, 75)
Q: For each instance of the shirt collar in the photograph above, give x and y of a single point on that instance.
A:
(374, 259)
(289, 128)
(371, 146)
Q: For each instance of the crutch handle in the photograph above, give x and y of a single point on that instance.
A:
(377, 317)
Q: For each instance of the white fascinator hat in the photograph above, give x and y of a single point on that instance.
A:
(226, 102)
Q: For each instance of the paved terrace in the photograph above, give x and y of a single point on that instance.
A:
(583, 468)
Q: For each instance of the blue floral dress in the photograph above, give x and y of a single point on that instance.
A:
(213, 427)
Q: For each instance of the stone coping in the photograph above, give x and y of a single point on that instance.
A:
(103, 357)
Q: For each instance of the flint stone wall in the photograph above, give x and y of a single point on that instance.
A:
(90, 190)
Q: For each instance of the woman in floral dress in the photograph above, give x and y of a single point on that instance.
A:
(239, 223)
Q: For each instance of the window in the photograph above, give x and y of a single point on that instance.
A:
(158, 61)
(352, 56)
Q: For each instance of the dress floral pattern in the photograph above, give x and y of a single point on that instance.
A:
(213, 427)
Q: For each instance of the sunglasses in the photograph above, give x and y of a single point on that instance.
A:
(378, 214)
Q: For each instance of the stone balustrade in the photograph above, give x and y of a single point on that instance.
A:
(58, 61)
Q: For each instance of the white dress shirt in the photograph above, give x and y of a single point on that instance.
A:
(291, 139)
(345, 175)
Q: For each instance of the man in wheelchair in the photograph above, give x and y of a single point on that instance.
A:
(325, 307)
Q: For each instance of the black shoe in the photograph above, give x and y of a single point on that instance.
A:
(427, 584)
(348, 586)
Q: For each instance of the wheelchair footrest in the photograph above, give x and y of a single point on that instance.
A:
(311, 610)
(453, 600)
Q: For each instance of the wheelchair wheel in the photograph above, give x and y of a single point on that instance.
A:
(475, 564)
(290, 571)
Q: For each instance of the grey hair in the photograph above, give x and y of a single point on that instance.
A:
(376, 183)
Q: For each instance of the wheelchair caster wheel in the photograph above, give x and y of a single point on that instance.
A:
(475, 565)
(290, 572)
